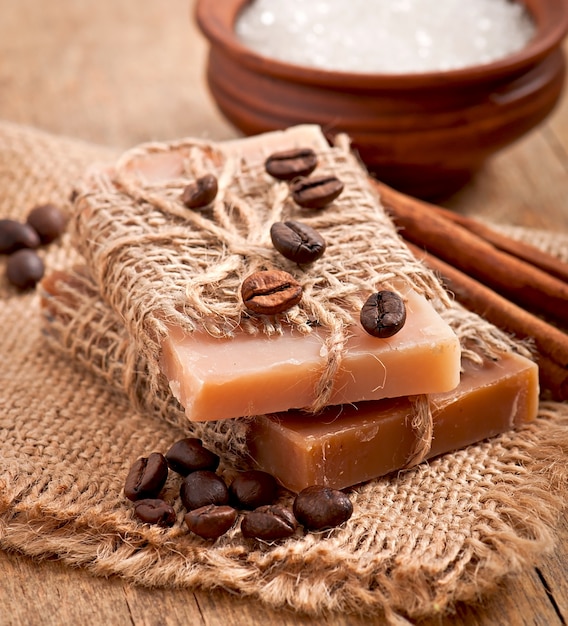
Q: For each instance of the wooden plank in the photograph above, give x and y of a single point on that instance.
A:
(128, 72)
(525, 185)
(554, 572)
(51, 593)
(33, 594)
(557, 133)
(162, 607)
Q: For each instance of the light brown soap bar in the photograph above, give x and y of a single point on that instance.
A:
(254, 375)
(251, 374)
(351, 444)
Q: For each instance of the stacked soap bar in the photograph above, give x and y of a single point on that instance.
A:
(350, 444)
(170, 275)
(342, 445)
(252, 375)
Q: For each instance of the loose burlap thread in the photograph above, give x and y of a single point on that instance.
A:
(418, 542)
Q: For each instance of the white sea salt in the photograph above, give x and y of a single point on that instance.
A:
(385, 36)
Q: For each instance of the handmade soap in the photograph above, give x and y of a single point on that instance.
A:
(256, 374)
(347, 445)
(161, 265)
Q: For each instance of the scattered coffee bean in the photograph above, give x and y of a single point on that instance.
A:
(211, 521)
(200, 193)
(24, 268)
(201, 488)
(296, 241)
(15, 235)
(290, 164)
(188, 455)
(270, 522)
(48, 221)
(155, 511)
(316, 193)
(146, 477)
(383, 314)
(253, 488)
(270, 292)
(319, 508)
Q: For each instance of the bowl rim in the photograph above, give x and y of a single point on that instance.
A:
(216, 21)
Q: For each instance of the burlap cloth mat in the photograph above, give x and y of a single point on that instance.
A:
(443, 532)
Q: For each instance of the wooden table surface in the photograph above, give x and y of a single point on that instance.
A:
(119, 72)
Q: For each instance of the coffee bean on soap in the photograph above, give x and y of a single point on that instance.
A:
(383, 314)
(48, 221)
(253, 488)
(290, 164)
(189, 455)
(211, 521)
(201, 192)
(155, 511)
(201, 488)
(270, 523)
(15, 235)
(316, 193)
(297, 241)
(146, 477)
(24, 268)
(270, 292)
(320, 508)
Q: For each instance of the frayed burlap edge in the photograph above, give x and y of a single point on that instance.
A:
(43, 515)
(513, 532)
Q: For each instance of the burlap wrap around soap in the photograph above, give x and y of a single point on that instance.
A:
(418, 542)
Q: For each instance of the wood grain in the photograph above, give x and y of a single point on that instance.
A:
(119, 72)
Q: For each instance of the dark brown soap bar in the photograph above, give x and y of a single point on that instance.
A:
(350, 444)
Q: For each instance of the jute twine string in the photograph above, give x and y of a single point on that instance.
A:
(420, 541)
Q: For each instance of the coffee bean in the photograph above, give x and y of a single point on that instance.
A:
(200, 193)
(188, 455)
(155, 511)
(319, 508)
(146, 477)
(201, 488)
(24, 268)
(211, 521)
(48, 221)
(296, 241)
(290, 164)
(316, 193)
(270, 292)
(15, 235)
(383, 314)
(253, 488)
(270, 522)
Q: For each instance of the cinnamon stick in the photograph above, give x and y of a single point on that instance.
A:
(524, 251)
(510, 276)
(531, 254)
(551, 343)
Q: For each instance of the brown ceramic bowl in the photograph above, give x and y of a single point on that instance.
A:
(426, 133)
